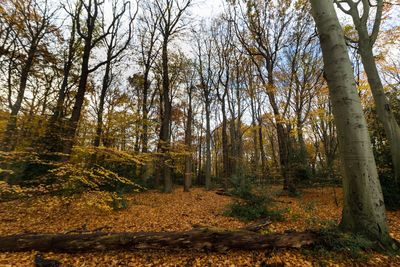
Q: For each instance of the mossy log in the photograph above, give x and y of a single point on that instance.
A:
(209, 239)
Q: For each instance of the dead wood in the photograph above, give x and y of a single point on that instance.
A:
(210, 239)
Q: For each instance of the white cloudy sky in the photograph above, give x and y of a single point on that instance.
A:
(207, 8)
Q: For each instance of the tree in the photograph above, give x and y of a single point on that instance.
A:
(365, 41)
(222, 36)
(187, 180)
(300, 75)
(261, 31)
(324, 130)
(52, 140)
(171, 12)
(90, 39)
(115, 45)
(31, 22)
(204, 60)
(149, 51)
(364, 208)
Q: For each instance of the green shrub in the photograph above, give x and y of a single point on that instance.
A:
(118, 201)
(333, 240)
(250, 206)
(251, 211)
(19, 167)
(241, 187)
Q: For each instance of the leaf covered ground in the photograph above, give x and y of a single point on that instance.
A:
(154, 211)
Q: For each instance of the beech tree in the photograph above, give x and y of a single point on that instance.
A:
(364, 208)
(366, 40)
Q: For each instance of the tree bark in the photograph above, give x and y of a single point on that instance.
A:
(188, 142)
(225, 147)
(165, 134)
(104, 88)
(9, 142)
(366, 42)
(208, 145)
(383, 107)
(364, 209)
(262, 151)
(79, 98)
(256, 155)
(209, 239)
(80, 95)
(54, 133)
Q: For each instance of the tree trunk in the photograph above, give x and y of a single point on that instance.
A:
(208, 239)
(282, 135)
(304, 158)
(225, 147)
(104, 88)
(256, 156)
(188, 142)
(364, 209)
(238, 143)
(383, 108)
(9, 141)
(80, 96)
(145, 126)
(283, 155)
(165, 122)
(200, 159)
(54, 132)
(188, 174)
(208, 146)
(262, 154)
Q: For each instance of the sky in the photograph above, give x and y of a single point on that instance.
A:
(207, 8)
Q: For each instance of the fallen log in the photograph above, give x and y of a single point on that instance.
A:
(256, 226)
(209, 239)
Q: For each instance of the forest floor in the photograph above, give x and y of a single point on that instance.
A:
(154, 211)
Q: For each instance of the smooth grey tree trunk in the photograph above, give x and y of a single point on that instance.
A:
(364, 208)
(366, 42)
(383, 109)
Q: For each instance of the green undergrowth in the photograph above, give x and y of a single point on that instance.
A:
(249, 205)
(27, 174)
(339, 245)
